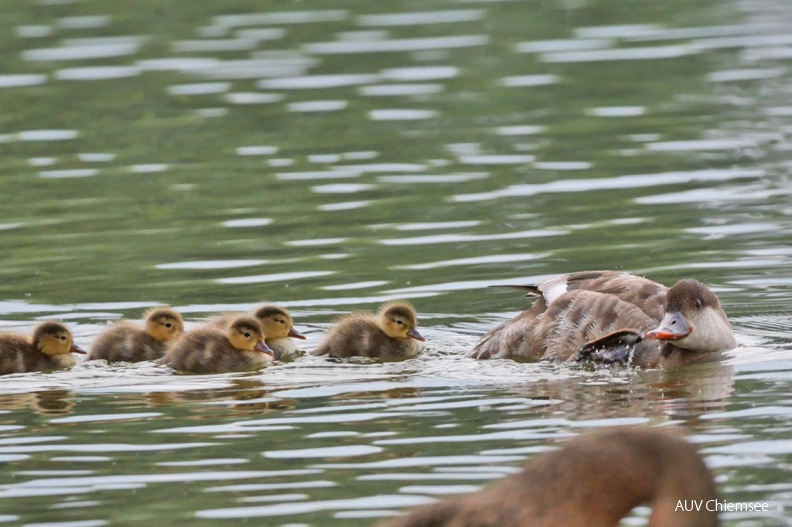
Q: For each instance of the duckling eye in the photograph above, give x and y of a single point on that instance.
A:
(698, 304)
(168, 325)
(62, 337)
(247, 334)
(399, 322)
(282, 321)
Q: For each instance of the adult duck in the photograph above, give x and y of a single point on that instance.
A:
(129, 342)
(49, 348)
(390, 334)
(594, 481)
(609, 316)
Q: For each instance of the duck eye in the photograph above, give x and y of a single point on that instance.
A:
(399, 322)
(247, 334)
(698, 304)
(62, 337)
(282, 321)
(168, 325)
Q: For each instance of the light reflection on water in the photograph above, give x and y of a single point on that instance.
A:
(332, 160)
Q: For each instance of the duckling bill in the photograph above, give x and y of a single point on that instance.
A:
(128, 342)
(238, 347)
(391, 334)
(49, 348)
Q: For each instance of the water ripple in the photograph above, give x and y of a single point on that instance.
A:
(281, 17)
(285, 509)
(632, 181)
(324, 452)
(422, 17)
(82, 52)
(15, 81)
(405, 44)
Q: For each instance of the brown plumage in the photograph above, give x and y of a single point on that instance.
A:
(238, 347)
(49, 348)
(277, 326)
(605, 316)
(129, 342)
(391, 334)
(593, 481)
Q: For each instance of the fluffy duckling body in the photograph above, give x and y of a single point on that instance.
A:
(129, 342)
(594, 481)
(391, 334)
(49, 348)
(238, 347)
(277, 326)
(608, 316)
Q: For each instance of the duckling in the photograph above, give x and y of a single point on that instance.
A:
(594, 481)
(49, 348)
(391, 334)
(128, 342)
(238, 347)
(276, 323)
(608, 316)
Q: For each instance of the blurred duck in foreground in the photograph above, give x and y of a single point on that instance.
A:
(49, 348)
(276, 323)
(128, 342)
(391, 334)
(594, 481)
(238, 347)
(607, 317)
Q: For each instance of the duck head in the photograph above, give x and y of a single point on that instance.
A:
(245, 334)
(398, 320)
(53, 338)
(164, 324)
(276, 323)
(694, 319)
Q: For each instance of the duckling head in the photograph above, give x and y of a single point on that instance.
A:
(399, 321)
(164, 324)
(245, 334)
(276, 323)
(53, 338)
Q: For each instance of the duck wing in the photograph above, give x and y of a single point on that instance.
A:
(647, 295)
(614, 348)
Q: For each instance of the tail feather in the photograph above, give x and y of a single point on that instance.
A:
(531, 290)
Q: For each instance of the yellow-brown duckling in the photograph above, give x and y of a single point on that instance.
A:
(49, 348)
(391, 334)
(129, 342)
(276, 323)
(208, 349)
(594, 481)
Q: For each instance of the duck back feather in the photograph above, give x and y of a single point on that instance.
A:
(127, 342)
